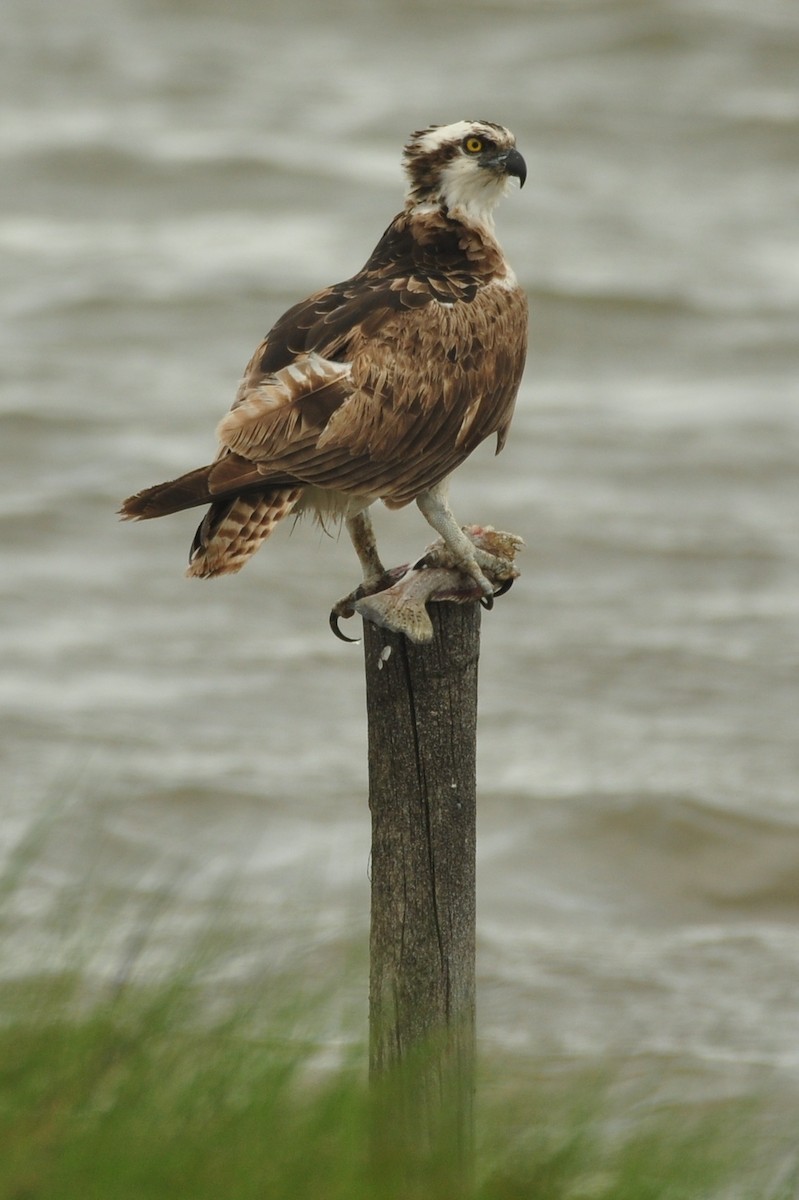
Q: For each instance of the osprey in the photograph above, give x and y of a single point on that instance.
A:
(379, 387)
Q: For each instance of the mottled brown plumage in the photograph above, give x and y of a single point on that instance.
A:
(378, 387)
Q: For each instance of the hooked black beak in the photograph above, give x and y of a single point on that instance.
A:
(514, 164)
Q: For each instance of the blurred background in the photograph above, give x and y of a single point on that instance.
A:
(182, 758)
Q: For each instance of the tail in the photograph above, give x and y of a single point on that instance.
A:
(188, 491)
(233, 529)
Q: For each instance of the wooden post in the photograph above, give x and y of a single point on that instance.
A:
(422, 716)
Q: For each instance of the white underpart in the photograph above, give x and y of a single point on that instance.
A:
(331, 507)
(470, 191)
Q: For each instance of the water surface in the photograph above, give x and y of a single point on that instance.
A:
(174, 175)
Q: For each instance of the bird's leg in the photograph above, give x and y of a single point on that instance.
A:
(435, 509)
(362, 536)
(375, 576)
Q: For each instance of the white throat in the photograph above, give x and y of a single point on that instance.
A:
(467, 193)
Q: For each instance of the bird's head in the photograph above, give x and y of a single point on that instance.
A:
(462, 168)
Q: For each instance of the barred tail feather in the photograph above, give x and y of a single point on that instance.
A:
(233, 529)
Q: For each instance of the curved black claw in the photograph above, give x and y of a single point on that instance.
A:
(488, 601)
(342, 637)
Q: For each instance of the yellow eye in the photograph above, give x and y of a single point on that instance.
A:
(473, 145)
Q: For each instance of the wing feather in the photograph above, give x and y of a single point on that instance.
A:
(381, 385)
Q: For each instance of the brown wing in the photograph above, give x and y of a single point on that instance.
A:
(410, 265)
(376, 387)
(425, 382)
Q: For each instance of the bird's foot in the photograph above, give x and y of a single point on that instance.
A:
(495, 553)
(400, 604)
(492, 567)
(347, 605)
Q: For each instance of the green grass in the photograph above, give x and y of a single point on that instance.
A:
(141, 1096)
(190, 1089)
